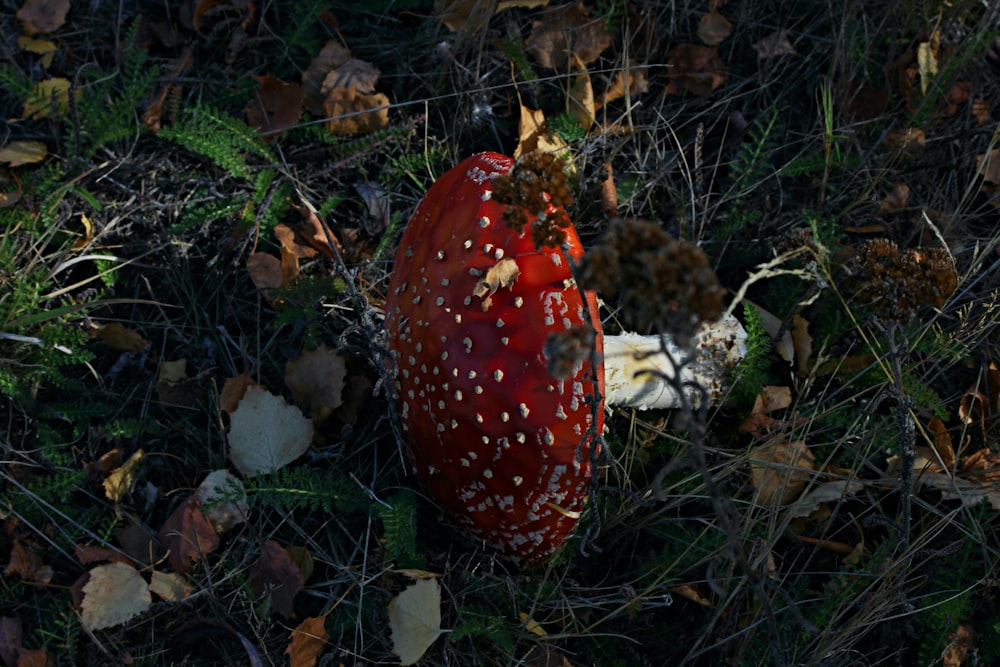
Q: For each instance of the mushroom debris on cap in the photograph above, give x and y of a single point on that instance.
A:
(503, 445)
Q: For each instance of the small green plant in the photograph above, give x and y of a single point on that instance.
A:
(751, 374)
(399, 521)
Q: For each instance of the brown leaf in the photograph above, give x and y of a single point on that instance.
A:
(333, 55)
(801, 343)
(19, 153)
(315, 233)
(713, 28)
(689, 592)
(898, 199)
(169, 586)
(466, 16)
(293, 241)
(119, 337)
(209, 13)
(982, 467)
(26, 563)
(910, 141)
(941, 442)
(580, 100)
(772, 398)
(188, 535)
(694, 69)
(351, 112)
(780, 471)
(87, 554)
(265, 271)
(961, 643)
(316, 380)
(275, 107)
(276, 576)
(10, 639)
(232, 391)
(307, 642)
(634, 78)
(980, 110)
(42, 15)
(773, 45)
(567, 34)
(34, 657)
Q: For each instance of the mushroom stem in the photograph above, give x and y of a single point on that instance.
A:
(640, 371)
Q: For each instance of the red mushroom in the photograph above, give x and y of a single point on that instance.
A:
(504, 446)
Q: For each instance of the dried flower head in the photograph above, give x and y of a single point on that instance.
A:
(536, 192)
(660, 283)
(896, 285)
(565, 352)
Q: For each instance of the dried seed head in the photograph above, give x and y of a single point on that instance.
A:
(896, 285)
(536, 191)
(660, 283)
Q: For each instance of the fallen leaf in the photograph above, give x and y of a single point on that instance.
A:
(274, 107)
(713, 28)
(466, 16)
(307, 642)
(773, 45)
(927, 64)
(316, 380)
(11, 637)
(896, 200)
(266, 433)
(315, 233)
(780, 471)
(34, 657)
(120, 481)
(980, 110)
(580, 100)
(415, 620)
(772, 398)
(377, 206)
(49, 96)
(350, 112)
(634, 78)
(88, 553)
(910, 141)
(941, 442)
(46, 48)
(276, 576)
(822, 494)
(331, 56)
(114, 594)
(223, 500)
(233, 390)
(960, 644)
(567, 34)
(265, 271)
(534, 134)
(26, 562)
(801, 343)
(170, 586)
(694, 69)
(42, 15)
(18, 153)
(689, 592)
(119, 337)
(188, 535)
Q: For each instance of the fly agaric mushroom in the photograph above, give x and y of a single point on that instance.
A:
(504, 446)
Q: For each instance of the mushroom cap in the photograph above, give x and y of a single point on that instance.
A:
(502, 445)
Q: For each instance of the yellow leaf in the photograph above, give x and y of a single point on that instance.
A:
(120, 480)
(308, 641)
(119, 337)
(50, 95)
(170, 586)
(927, 61)
(114, 594)
(18, 153)
(266, 433)
(415, 620)
(44, 47)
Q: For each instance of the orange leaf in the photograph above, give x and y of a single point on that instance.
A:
(188, 534)
(308, 640)
(351, 112)
(119, 337)
(232, 391)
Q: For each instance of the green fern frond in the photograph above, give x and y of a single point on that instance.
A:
(225, 140)
(399, 521)
(306, 488)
